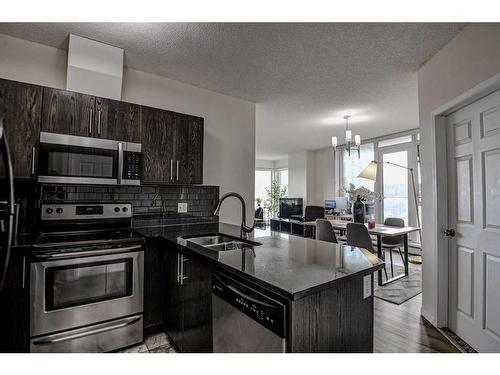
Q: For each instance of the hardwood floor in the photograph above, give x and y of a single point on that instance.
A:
(401, 328)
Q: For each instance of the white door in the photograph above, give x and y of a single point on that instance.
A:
(473, 135)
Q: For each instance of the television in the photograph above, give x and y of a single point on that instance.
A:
(290, 207)
(330, 205)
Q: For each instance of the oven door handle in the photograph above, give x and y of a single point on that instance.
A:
(59, 337)
(88, 253)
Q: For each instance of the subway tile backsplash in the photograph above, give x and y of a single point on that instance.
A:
(147, 200)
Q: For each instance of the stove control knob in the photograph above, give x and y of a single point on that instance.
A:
(117, 209)
(49, 210)
(125, 209)
(59, 210)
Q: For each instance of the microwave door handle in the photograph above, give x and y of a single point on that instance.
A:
(120, 163)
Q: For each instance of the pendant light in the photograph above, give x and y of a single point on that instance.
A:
(356, 145)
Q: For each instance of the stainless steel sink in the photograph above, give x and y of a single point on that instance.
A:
(221, 242)
(210, 240)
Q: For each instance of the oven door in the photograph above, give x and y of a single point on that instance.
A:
(70, 293)
(71, 159)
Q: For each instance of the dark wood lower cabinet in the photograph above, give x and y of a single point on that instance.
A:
(155, 265)
(14, 306)
(334, 320)
(188, 320)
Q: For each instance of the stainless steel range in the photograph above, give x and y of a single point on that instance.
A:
(86, 284)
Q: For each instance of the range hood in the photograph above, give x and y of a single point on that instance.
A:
(94, 68)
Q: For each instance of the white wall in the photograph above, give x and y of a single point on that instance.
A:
(470, 58)
(326, 184)
(229, 142)
(301, 176)
(264, 164)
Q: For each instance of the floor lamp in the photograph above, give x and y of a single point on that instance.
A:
(370, 173)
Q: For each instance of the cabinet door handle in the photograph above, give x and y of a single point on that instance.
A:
(171, 170)
(182, 277)
(178, 266)
(33, 158)
(99, 122)
(91, 114)
(23, 284)
(177, 170)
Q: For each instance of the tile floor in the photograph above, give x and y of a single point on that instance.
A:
(158, 343)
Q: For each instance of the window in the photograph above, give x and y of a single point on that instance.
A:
(283, 178)
(395, 141)
(395, 185)
(262, 182)
(352, 166)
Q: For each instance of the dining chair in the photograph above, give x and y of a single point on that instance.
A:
(393, 242)
(358, 235)
(324, 231)
(312, 213)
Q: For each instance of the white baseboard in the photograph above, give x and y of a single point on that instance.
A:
(428, 317)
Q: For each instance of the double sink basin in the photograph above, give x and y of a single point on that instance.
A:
(219, 242)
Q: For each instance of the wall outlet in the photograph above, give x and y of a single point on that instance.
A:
(182, 207)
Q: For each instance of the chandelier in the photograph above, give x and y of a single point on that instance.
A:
(349, 145)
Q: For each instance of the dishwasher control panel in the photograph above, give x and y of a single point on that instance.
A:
(258, 306)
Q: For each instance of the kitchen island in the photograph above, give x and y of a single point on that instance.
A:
(326, 288)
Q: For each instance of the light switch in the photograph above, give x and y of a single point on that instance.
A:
(367, 286)
(182, 207)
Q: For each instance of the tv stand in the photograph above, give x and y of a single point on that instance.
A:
(289, 226)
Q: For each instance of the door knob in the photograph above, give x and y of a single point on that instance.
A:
(449, 232)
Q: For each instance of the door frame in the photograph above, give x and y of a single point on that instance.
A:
(439, 315)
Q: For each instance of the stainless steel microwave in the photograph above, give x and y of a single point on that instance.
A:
(69, 159)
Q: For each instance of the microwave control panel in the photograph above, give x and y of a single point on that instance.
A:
(132, 165)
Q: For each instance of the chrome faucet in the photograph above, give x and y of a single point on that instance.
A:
(245, 229)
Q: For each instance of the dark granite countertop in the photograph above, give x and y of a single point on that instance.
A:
(289, 265)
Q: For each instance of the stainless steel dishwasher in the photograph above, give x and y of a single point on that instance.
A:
(244, 319)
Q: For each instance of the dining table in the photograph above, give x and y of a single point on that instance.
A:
(380, 230)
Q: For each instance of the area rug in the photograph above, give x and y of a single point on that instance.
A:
(401, 290)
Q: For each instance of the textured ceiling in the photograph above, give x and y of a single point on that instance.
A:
(304, 77)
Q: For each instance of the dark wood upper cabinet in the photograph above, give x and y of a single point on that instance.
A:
(181, 144)
(68, 112)
(118, 120)
(195, 150)
(20, 107)
(172, 143)
(157, 136)
(172, 147)
(72, 113)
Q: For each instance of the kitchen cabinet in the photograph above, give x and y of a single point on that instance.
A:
(14, 305)
(172, 143)
(20, 107)
(188, 319)
(195, 149)
(172, 147)
(72, 113)
(118, 120)
(154, 285)
(68, 112)
(157, 134)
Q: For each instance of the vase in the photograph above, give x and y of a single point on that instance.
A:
(358, 211)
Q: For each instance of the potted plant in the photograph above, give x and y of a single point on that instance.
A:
(274, 193)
